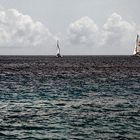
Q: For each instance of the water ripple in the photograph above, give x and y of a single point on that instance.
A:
(77, 98)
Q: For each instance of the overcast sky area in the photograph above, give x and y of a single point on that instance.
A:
(83, 27)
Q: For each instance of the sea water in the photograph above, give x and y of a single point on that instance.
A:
(74, 97)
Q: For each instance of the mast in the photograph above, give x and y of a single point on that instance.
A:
(137, 40)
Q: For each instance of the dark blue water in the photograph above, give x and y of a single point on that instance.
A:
(74, 97)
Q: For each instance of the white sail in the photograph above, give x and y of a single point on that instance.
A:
(137, 46)
(58, 50)
(135, 50)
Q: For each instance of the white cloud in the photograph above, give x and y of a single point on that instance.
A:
(117, 32)
(19, 30)
(83, 32)
(115, 35)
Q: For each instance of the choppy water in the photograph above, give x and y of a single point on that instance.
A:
(76, 98)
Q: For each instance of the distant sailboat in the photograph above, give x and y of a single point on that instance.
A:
(58, 51)
(137, 47)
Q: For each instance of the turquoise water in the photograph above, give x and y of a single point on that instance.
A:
(74, 97)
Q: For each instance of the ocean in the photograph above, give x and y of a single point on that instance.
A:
(69, 98)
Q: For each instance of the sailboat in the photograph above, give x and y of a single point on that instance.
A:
(137, 47)
(58, 51)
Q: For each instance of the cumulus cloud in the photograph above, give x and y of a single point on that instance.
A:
(115, 33)
(19, 30)
(83, 32)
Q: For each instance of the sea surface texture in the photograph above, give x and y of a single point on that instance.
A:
(69, 98)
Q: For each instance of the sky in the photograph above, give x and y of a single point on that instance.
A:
(83, 27)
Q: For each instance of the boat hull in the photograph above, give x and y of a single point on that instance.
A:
(137, 54)
(58, 55)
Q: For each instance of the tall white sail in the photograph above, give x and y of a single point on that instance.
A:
(137, 46)
(58, 49)
(135, 50)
